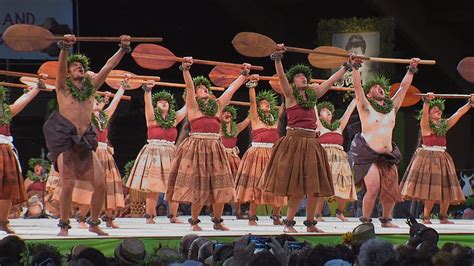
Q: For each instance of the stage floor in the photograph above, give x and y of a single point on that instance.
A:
(36, 229)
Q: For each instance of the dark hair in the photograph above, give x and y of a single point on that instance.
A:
(408, 255)
(185, 243)
(12, 247)
(263, 258)
(321, 254)
(462, 259)
(93, 255)
(47, 257)
(355, 41)
(376, 252)
(345, 253)
(80, 262)
(283, 238)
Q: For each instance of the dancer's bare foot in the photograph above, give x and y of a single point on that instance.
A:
(387, 222)
(5, 227)
(111, 224)
(174, 219)
(443, 219)
(276, 219)
(253, 220)
(426, 220)
(239, 216)
(313, 229)
(194, 224)
(150, 219)
(319, 217)
(221, 227)
(196, 228)
(97, 230)
(289, 226)
(341, 217)
(63, 228)
(253, 223)
(82, 225)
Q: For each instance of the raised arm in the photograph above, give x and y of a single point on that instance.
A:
(460, 112)
(26, 98)
(190, 91)
(424, 121)
(322, 88)
(361, 99)
(252, 84)
(180, 115)
(115, 101)
(405, 84)
(113, 61)
(149, 112)
(67, 43)
(347, 114)
(243, 125)
(285, 84)
(224, 99)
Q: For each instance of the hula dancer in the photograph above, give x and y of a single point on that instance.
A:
(431, 175)
(200, 173)
(298, 165)
(331, 139)
(264, 114)
(150, 172)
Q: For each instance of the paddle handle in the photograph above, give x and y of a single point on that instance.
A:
(303, 50)
(180, 85)
(240, 103)
(334, 88)
(13, 85)
(134, 78)
(447, 96)
(124, 97)
(109, 39)
(18, 74)
(398, 61)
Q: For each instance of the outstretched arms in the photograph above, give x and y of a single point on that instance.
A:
(99, 79)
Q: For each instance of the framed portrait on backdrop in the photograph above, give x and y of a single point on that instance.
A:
(369, 37)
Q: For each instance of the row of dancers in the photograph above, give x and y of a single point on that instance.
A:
(205, 168)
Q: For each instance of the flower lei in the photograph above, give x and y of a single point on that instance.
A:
(101, 121)
(441, 128)
(331, 126)
(168, 121)
(209, 108)
(33, 177)
(310, 101)
(269, 119)
(85, 93)
(233, 129)
(384, 109)
(6, 118)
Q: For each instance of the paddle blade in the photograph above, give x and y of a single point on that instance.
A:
(410, 98)
(114, 83)
(223, 76)
(30, 81)
(466, 68)
(27, 38)
(275, 84)
(253, 44)
(51, 69)
(322, 59)
(149, 56)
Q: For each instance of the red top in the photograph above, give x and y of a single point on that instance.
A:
(434, 140)
(331, 138)
(36, 186)
(5, 130)
(266, 135)
(229, 142)
(157, 132)
(205, 124)
(298, 116)
(102, 135)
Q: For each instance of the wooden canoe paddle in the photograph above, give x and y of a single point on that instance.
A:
(223, 76)
(157, 57)
(258, 45)
(23, 86)
(466, 68)
(30, 38)
(137, 83)
(414, 95)
(31, 81)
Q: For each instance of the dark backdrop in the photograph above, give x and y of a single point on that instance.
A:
(204, 29)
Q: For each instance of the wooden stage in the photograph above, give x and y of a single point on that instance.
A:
(47, 228)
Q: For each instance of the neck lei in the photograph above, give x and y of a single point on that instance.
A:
(168, 121)
(383, 109)
(233, 129)
(101, 120)
(439, 129)
(208, 108)
(268, 119)
(331, 126)
(310, 101)
(5, 114)
(83, 94)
